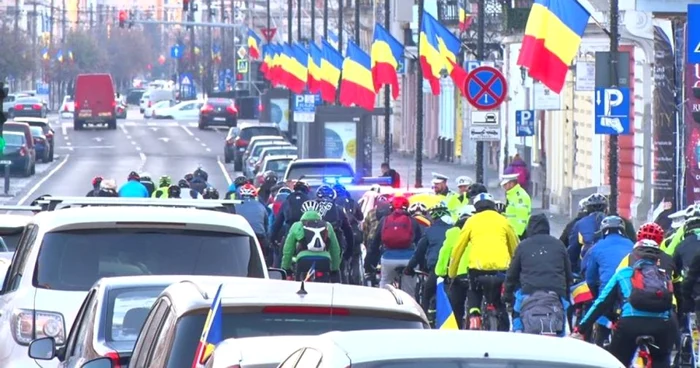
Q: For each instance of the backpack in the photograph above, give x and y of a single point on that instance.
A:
(652, 290)
(542, 313)
(315, 236)
(397, 231)
(295, 200)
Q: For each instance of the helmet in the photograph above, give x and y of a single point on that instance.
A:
(464, 180)
(611, 223)
(145, 176)
(439, 210)
(476, 189)
(646, 243)
(284, 190)
(174, 191)
(189, 177)
(310, 205)
(582, 204)
(210, 193)
(271, 177)
(240, 181)
(182, 183)
(399, 202)
(375, 188)
(485, 198)
(651, 231)
(134, 176)
(340, 190)
(301, 186)
(96, 181)
(692, 211)
(326, 192)
(466, 212)
(164, 181)
(247, 190)
(199, 173)
(596, 202)
(418, 209)
(500, 207)
(108, 184)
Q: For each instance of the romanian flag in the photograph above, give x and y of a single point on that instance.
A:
(465, 19)
(580, 293)
(211, 333)
(311, 274)
(70, 55)
(276, 74)
(333, 40)
(386, 52)
(266, 60)
(331, 64)
(449, 47)
(444, 316)
(45, 54)
(253, 44)
(552, 39)
(294, 64)
(431, 62)
(315, 56)
(59, 56)
(356, 85)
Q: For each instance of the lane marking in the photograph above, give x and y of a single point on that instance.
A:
(68, 144)
(64, 130)
(138, 148)
(208, 149)
(204, 144)
(188, 131)
(227, 176)
(124, 129)
(143, 161)
(133, 143)
(128, 137)
(196, 139)
(42, 181)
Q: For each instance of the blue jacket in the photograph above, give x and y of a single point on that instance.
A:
(133, 189)
(199, 185)
(618, 290)
(428, 249)
(585, 229)
(256, 214)
(604, 258)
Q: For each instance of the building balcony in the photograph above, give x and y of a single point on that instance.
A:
(448, 12)
(516, 16)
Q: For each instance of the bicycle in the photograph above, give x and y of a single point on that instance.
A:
(422, 278)
(642, 357)
(686, 356)
(488, 320)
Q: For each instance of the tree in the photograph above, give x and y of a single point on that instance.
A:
(130, 52)
(88, 56)
(16, 58)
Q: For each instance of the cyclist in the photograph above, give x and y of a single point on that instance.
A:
(148, 183)
(189, 192)
(270, 179)
(174, 192)
(579, 215)
(290, 210)
(199, 180)
(490, 240)
(256, 215)
(280, 196)
(354, 214)
(210, 193)
(583, 233)
(539, 268)
(95, 186)
(133, 187)
(460, 284)
(689, 246)
(312, 241)
(428, 250)
(608, 252)
(163, 185)
(381, 208)
(669, 245)
(108, 188)
(233, 188)
(397, 233)
(644, 293)
(419, 212)
(334, 214)
(518, 204)
(461, 198)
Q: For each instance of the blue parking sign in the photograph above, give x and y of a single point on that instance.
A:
(612, 111)
(693, 32)
(525, 123)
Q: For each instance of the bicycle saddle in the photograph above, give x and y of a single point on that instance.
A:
(645, 339)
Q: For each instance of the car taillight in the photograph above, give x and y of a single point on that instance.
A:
(114, 357)
(19, 107)
(229, 142)
(241, 142)
(28, 325)
(282, 309)
(232, 109)
(76, 105)
(207, 109)
(36, 107)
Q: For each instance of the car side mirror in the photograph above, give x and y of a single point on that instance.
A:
(102, 362)
(43, 349)
(277, 274)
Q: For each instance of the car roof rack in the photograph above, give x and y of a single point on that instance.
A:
(223, 205)
(20, 208)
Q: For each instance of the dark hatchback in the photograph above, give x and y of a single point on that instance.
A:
(19, 154)
(30, 107)
(41, 144)
(238, 138)
(45, 128)
(218, 112)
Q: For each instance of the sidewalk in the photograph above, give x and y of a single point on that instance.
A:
(405, 165)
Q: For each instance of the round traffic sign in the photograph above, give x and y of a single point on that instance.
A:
(486, 88)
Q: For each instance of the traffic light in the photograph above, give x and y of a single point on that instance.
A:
(4, 91)
(122, 18)
(239, 76)
(185, 5)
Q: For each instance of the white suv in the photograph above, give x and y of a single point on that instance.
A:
(62, 253)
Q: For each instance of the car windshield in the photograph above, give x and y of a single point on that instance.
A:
(241, 325)
(260, 147)
(11, 236)
(127, 311)
(13, 139)
(248, 133)
(162, 104)
(288, 150)
(219, 102)
(319, 168)
(74, 260)
(278, 166)
(36, 131)
(468, 363)
(28, 101)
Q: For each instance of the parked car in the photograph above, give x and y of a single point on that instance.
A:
(260, 140)
(186, 110)
(153, 96)
(218, 112)
(115, 308)
(46, 129)
(41, 144)
(133, 97)
(150, 111)
(121, 107)
(238, 138)
(8, 106)
(254, 155)
(276, 164)
(30, 107)
(19, 154)
(67, 107)
(21, 127)
(94, 101)
(274, 151)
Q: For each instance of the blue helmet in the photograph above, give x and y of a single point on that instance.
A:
(325, 192)
(340, 190)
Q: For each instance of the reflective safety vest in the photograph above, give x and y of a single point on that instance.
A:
(518, 209)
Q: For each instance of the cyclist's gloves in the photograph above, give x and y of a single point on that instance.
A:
(409, 271)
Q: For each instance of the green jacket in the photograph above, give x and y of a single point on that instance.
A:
(451, 238)
(455, 203)
(296, 234)
(163, 190)
(672, 242)
(518, 209)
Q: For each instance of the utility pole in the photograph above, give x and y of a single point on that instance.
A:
(63, 21)
(614, 71)
(357, 23)
(387, 93)
(480, 57)
(340, 26)
(325, 19)
(223, 63)
(34, 37)
(419, 109)
(207, 61)
(18, 12)
(313, 24)
(299, 20)
(193, 56)
(290, 39)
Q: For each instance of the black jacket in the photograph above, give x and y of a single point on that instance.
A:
(691, 284)
(686, 250)
(150, 187)
(540, 262)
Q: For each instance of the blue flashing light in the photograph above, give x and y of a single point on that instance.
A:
(332, 180)
(379, 180)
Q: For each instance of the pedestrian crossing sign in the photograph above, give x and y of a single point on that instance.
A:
(242, 66)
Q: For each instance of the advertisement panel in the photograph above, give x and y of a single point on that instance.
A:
(279, 112)
(341, 141)
(691, 117)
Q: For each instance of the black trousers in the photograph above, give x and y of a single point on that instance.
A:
(458, 297)
(429, 290)
(623, 343)
(266, 249)
(322, 265)
(487, 284)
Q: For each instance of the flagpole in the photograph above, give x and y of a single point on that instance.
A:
(419, 106)
(387, 98)
(290, 39)
(613, 143)
(480, 57)
(325, 19)
(340, 45)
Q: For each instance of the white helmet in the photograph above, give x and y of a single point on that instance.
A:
(646, 243)
(483, 197)
(464, 180)
(418, 208)
(692, 211)
(375, 188)
(467, 211)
